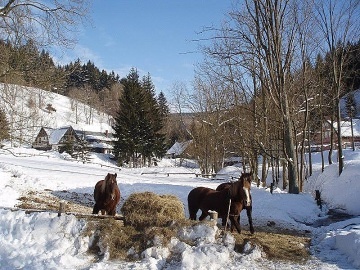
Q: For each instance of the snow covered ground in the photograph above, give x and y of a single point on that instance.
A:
(46, 241)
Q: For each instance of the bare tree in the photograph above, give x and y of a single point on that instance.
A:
(45, 22)
(260, 39)
(338, 22)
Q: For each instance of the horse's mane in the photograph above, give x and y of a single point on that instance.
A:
(106, 182)
(103, 184)
(245, 176)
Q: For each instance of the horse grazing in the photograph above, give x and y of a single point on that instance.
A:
(237, 205)
(106, 195)
(218, 200)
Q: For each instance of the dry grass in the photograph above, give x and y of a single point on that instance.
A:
(147, 209)
(119, 240)
(283, 246)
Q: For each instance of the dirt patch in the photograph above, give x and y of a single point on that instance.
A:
(276, 244)
(50, 200)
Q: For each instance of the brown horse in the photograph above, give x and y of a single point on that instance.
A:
(238, 205)
(209, 199)
(106, 195)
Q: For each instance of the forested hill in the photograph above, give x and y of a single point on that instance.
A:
(28, 66)
(28, 109)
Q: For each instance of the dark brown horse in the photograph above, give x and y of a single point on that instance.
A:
(209, 199)
(238, 205)
(106, 195)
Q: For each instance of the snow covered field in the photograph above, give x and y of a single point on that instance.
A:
(46, 241)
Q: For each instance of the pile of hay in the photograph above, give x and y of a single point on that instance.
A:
(147, 209)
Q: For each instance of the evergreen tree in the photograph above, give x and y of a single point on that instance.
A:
(137, 124)
(350, 105)
(163, 106)
(81, 151)
(127, 120)
(155, 119)
(4, 126)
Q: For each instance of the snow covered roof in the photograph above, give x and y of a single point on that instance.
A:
(178, 148)
(101, 145)
(346, 128)
(98, 138)
(56, 135)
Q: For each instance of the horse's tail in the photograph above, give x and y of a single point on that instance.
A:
(192, 205)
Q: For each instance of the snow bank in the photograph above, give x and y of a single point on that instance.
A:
(41, 241)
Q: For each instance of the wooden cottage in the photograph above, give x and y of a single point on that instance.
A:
(100, 142)
(55, 139)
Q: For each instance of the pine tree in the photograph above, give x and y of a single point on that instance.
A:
(156, 120)
(163, 106)
(81, 151)
(350, 105)
(4, 126)
(138, 122)
(126, 120)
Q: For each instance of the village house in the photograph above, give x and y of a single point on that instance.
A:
(177, 149)
(59, 139)
(55, 139)
(99, 142)
(349, 133)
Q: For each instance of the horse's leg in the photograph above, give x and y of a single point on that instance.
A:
(112, 212)
(232, 226)
(234, 222)
(192, 212)
(249, 215)
(95, 209)
(193, 216)
(204, 214)
(223, 221)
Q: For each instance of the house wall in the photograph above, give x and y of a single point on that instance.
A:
(346, 141)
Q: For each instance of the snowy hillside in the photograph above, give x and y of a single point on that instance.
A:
(28, 109)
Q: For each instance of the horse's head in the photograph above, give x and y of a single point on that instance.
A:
(111, 185)
(240, 190)
(245, 180)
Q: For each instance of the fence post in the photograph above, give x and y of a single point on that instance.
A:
(271, 188)
(61, 208)
(318, 198)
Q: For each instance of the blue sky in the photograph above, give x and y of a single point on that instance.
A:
(153, 36)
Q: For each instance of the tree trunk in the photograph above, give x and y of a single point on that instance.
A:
(291, 155)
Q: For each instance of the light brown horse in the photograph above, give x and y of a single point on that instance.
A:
(209, 199)
(106, 195)
(238, 205)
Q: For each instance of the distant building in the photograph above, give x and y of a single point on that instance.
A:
(177, 149)
(58, 139)
(55, 139)
(99, 142)
(347, 135)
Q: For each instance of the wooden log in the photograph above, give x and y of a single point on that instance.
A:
(80, 215)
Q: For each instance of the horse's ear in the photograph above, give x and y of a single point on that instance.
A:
(115, 175)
